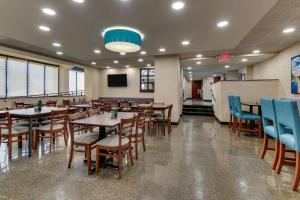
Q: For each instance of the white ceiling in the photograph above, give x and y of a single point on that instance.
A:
(78, 26)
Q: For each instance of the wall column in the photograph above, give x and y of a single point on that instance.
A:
(168, 87)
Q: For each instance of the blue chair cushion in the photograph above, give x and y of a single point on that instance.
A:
(288, 140)
(270, 130)
(248, 116)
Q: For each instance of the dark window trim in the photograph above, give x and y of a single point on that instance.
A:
(148, 82)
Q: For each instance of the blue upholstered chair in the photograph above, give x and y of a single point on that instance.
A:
(270, 127)
(245, 116)
(288, 124)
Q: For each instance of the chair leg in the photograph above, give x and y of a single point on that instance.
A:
(9, 145)
(136, 148)
(65, 137)
(88, 150)
(296, 178)
(120, 163)
(265, 146)
(71, 156)
(240, 127)
(20, 141)
(281, 158)
(259, 129)
(230, 122)
(97, 160)
(130, 154)
(277, 148)
(143, 142)
(51, 138)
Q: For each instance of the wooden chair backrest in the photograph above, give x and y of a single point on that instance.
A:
(106, 107)
(5, 122)
(126, 127)
(93, 112)
(66, 102)
(58, 116)
(51, 103)
(140, 122)
(19, 104)
(170, 112)
(73, 127)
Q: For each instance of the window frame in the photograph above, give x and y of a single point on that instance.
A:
(77, 70)
(6, 57)
(148, 80)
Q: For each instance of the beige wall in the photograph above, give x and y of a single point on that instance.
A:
(168, 87)
(187, 87)
(279, 67)
(206, 88)
(249, 91)
(133, 81)
(232, 75)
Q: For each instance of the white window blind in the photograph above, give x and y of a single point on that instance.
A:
(2, 77)
(51, 79)
(72, 81)
(16, 78)
(35, 79)
(80, 81)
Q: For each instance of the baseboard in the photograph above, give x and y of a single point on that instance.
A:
(225, 123)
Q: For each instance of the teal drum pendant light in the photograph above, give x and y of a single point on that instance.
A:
(122, 39)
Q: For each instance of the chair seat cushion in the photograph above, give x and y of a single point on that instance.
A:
(24, 123)
(248, 116)
(48, 127)
(112, 141)
(15, 130)
(156, 114)
(288, 140)
(270, 130)
(126, 109)
(86, 138)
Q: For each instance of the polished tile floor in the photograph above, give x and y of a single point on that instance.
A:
(200, 160)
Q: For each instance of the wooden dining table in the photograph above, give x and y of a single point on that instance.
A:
(156, 107)
(30, 114)
(103, 121)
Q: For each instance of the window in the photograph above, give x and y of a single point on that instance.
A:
(36, 79)
(76, 81)
(16, 78)
(23, 78)
(51, 80)
(2, 77)
(147, 80)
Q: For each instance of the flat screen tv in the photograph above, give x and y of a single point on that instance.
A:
(117, 80)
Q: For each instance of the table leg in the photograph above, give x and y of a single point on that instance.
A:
(102, 135)
(30, 137)
(164, 121)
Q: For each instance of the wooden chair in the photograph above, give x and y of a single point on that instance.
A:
(159, 121)
(51, 103)
(19, 105)
(66, 102)
(117, 146)
(125, 106)
(56, 128)
(85, 140)
(9, 132)
(106, 107)
(148, 109)
(138, 133)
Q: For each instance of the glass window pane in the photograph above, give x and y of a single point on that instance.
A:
(16, 78)
(151, 72)
(144, 72)
(35, 79)
(72, 81)
(51, 79)
(80, 81)
(144, 86)
(2, 77)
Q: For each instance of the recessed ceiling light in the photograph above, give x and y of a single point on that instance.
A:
(78, 1)
(49, 11)
(190, 72)
(214, 75)
(222, 24)
(256, 51)
(198, 63)
(244, 60)
(178, 5)
(122, 53)
(199, 55)
(93, 63)
(44, 28)
(59, 53)
(162, 49)
(56, 44)
(143, 52)
(227, 66)
(116, 61)
(127, 66)
(140, 60)
(288, 30)
(97, 51)
(107, 67)
(189, 68)
(148, 65)
(185, 42)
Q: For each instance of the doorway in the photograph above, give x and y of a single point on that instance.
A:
(196, 89)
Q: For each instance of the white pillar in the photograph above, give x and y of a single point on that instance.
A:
(168, 87)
